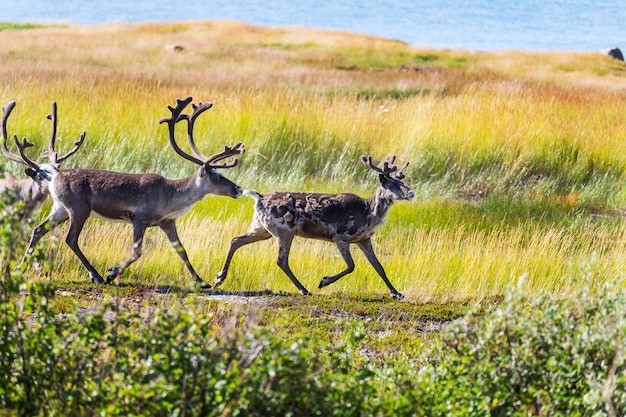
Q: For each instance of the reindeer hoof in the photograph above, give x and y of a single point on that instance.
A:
(202, 284)
(397, 296)
(113, 273)
(324, 282)
(304, 291)
(218, 280)
(97, 279)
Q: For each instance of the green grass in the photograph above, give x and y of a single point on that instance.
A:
(517, 160)
(19, 26)
(518, 166)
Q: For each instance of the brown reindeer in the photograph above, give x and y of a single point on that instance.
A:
(34, 190)
(144, 200)
(339, 218)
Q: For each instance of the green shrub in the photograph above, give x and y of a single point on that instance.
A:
(167, 361)
(546, 356)
(543, 357)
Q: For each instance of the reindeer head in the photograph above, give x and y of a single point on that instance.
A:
(40, 173)
(390, 177)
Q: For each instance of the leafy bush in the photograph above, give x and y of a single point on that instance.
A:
(545, 356)
(168, 361)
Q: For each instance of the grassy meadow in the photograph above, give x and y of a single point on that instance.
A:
(517, 158)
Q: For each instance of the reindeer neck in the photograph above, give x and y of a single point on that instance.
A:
(190, 189)
(380, 202)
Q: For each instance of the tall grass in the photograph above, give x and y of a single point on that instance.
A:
(518, 158)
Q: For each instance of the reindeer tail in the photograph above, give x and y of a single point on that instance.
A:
(253, 194)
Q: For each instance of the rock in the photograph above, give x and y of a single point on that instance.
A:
(616, 53)
(174, 48)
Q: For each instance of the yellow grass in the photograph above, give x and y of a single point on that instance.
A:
(297, 97)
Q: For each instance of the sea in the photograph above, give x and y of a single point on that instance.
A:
(479, 25)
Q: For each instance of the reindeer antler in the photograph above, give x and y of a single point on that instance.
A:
(199, 157)
(53, 156)
(21, 147)
(226, 153)
(6, 112)
(388, 168)
(191, 119)
(171, 122)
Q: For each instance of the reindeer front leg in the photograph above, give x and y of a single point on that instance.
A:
(56, 217)
(172, 234)
(76, 226)
(368, 250)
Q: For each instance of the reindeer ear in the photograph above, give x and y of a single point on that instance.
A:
(31, 172)
(203, 171)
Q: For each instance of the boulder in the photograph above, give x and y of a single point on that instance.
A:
(616, 53)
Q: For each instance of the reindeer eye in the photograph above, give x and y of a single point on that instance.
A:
(214, 177)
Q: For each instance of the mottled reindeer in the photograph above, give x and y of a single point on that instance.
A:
(144, 200)
(340, 218)
(33, 190)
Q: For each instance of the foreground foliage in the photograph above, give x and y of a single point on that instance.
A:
(545, 356)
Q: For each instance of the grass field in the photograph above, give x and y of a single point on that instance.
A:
(517, 158)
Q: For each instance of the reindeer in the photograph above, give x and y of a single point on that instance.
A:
(144, 200)
(34, 190)
(339, 218)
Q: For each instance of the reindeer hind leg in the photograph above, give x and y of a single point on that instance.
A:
(344, 249)
(254, 235)
(139, 231)
(284, 246)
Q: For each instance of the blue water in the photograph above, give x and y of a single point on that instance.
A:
(472, 25)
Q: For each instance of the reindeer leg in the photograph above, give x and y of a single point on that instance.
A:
(172, 234)
(138, 232)
(76, 226)
(284, 246)
(254, 235)
(366, 247)
(344, 249)
(57, 216)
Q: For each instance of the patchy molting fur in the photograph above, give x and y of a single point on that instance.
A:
(331, 217)
(340, 218)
